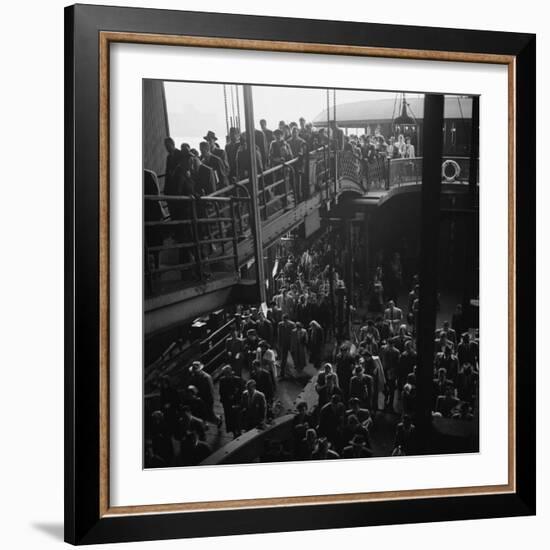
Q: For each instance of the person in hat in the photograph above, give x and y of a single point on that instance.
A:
(212, 141)
(214, 162)
(249, 320)
(251, 346)
(253, 406)
(231, 152)
(205, 387)
(231, 389)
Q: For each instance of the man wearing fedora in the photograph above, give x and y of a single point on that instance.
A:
(205, 386)
(212, 141)
(253, 406)
(231, 389)
(215, 163)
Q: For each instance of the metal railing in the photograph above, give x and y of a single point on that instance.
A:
(177, 357)
(200, 237)
(409, 171)
(351, 167)
(404, 170)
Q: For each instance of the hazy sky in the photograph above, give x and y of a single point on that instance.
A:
(195, 108)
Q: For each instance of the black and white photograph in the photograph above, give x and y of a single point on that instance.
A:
(297, 306)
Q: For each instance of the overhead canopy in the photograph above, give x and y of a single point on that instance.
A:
(383, 111)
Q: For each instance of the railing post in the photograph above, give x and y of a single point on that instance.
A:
(239, 211)
(196, 235)
(284, 172)
(305, 173)
(220, 228)
(233, 211)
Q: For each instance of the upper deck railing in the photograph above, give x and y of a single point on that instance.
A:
(200, 238)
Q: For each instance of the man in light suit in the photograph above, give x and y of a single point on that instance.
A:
(393, 315)
(284, 332)
(253, 406)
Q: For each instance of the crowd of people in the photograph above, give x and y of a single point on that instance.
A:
(191, 172)
(201, 172)
(368, 373)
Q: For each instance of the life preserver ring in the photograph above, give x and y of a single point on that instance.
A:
(456, 170)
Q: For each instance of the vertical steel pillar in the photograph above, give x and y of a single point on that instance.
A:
(351, 271)
(336, 144)
(327, 148)
(430, 211)
(474, 150)
(471, 224)
(254, 201)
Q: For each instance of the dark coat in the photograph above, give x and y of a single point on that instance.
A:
(230, 388)
(264, 383)
(285, 333)
(253, 409)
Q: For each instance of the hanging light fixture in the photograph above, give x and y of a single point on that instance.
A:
(404, 120)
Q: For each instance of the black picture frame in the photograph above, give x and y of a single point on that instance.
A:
(84, 523)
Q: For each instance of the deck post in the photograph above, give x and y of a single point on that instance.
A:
(254, 202)
(430, 200)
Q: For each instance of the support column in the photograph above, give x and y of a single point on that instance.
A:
(431, 190)
(351, 271)
(254, 201)
(471, 226)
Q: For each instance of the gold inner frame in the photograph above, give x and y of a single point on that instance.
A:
(105, 39)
